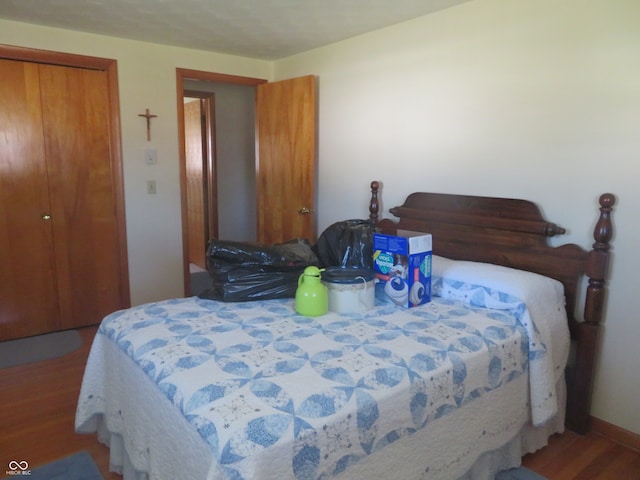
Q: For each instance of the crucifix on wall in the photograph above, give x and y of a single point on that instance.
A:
(148, 116)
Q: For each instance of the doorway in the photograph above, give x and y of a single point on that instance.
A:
(268, 192)
(211, 207)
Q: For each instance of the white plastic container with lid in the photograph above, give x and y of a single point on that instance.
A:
(350, 289)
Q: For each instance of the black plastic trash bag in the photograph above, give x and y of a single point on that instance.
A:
(348, 243)
(242, 272)
(250, 284)
(294, 253)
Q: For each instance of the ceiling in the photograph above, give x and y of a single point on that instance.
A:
(263, 29)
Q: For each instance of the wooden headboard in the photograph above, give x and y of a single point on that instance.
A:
(513, 233)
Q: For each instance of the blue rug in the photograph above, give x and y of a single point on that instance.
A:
(38, 348)
(519, 473)
(79, 466)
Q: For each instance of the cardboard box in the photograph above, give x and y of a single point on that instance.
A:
(402, 266)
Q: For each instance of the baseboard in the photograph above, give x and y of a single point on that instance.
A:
(615, 433)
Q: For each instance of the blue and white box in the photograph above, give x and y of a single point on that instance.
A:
(402, 266)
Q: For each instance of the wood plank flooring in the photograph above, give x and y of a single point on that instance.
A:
(584, 457)
(37, 410)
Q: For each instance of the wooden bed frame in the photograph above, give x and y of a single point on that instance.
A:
(514, 233)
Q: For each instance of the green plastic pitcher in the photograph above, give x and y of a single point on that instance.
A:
(312, 298)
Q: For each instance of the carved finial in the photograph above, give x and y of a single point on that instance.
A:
(373, 203)
(603, 230)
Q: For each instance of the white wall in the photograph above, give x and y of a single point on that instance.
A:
(147, 79)
(235, 158)
(235, 130)
(535, 99)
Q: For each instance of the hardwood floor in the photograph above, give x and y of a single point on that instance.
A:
(37, 409)
(584, 457)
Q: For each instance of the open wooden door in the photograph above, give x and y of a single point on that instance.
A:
(286, 159)
(202, 216)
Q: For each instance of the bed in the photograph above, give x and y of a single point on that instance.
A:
(459, 388)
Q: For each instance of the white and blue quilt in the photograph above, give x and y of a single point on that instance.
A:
(319, 394)
(271, 392)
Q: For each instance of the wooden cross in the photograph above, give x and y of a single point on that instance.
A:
(148, 116)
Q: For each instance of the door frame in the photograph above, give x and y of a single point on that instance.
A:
(110, 66)
(183, 74)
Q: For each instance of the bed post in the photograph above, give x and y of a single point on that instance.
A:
(579, 395)
(373, 203)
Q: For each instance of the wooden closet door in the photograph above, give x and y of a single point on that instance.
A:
(28, 290)
(75, 109)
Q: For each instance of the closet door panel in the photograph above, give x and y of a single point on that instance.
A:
(28, 293)
(75, 105)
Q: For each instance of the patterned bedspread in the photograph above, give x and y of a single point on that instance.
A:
(270, 392)
(255, 379)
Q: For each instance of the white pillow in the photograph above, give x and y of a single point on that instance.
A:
(544, 315)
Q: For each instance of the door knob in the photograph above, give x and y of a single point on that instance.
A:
(46, 216)
(304, 211)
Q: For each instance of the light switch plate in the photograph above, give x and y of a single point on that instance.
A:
(150, 156)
